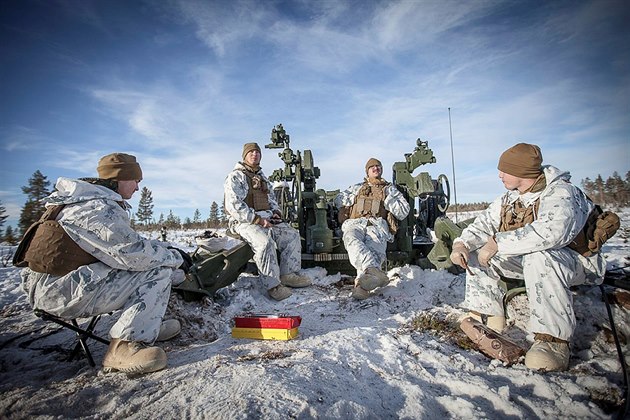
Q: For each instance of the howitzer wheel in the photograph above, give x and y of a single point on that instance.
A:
(444, 198)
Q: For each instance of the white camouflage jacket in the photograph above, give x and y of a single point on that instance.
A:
(562, 213)
(235, 189)
(394, 202)
(101, 227)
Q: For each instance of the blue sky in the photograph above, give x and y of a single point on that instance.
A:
(183, 84)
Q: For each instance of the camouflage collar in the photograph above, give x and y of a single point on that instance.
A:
(107, 183)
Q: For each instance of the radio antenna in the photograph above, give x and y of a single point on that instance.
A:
(453, 162)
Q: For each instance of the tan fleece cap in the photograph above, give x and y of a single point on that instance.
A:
(119, 167)
(522, 160)
(371, 162)
(248, 147)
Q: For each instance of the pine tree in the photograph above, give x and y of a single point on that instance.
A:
(616, 191)
(161, 219)
(3, 217)
(222, 215)
(213, 219)
(172, 221)
(145, 206)
(9, 236)
(599, 190)
(33, 209)
(197, 219)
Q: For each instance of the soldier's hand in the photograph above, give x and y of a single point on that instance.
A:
(460, 254)
(264, 222)
(188, 262)
(487, 251)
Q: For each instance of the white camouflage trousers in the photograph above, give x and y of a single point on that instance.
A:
(365, 242)
(547, 274)
(96, 289)
(264, 243)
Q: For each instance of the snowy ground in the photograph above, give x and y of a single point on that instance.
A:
(391, 356)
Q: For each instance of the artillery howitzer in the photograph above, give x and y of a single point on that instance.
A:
(312, 212)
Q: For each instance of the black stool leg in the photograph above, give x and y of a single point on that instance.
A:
(82, 334)
(82, 345)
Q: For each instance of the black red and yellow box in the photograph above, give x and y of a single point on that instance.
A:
(266, 327)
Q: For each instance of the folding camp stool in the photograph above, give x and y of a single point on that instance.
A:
(83, 333)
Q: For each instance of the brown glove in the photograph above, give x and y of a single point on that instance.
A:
(606, 226)
(460, 254)
(487, 251)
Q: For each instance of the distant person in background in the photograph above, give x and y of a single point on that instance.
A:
(254, 214)
(369, 214)
(91, 262)
(163, 233)
(530, 233)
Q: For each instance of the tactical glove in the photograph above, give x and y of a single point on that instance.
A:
(460, 254)
(606, 226)
(487, 251)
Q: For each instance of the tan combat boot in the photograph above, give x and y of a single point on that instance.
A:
(548, 353)
(295, 280)
(360, 293)
(279, 292)
(494, 322)
(372, 278)
(133, 357)
(170, 328)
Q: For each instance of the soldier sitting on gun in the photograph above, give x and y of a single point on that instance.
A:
(255, 215)
(368, 212)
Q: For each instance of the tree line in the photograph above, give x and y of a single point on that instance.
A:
(144, 218)
(612, 192)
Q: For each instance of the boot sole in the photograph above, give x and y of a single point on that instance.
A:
(296, 285)
(153, 366)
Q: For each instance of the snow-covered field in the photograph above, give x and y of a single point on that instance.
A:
(391, 356)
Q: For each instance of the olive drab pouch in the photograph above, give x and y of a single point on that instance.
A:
(600, 227)
(344, 214)
(47, 248)
(516, 215)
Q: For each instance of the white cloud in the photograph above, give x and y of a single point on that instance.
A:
(20, 138)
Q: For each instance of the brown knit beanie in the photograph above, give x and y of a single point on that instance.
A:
(248, 147)
(119, 167)
(522, 160)
(371, 162)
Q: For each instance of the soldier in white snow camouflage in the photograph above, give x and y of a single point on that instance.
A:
(369, 212)
(527, 234)
(254, 214)
(113, 267)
